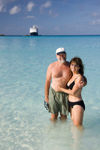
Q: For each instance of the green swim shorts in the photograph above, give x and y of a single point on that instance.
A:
(58, 102)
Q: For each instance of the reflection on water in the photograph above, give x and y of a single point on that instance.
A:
(62, 136)
(76, 137)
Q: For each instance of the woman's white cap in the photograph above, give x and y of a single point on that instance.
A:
(60, 50)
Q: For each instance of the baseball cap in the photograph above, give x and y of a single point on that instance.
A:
(60, 50)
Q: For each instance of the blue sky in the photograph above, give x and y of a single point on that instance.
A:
(57, 17)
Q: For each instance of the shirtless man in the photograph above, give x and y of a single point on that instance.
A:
(59, 73)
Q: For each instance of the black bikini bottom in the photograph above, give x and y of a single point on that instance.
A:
(81, 103)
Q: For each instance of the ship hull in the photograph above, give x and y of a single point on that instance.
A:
(34, 34)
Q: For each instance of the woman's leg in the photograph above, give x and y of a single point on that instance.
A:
(71, 113)
(77, 113)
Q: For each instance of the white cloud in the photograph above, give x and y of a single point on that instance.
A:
(14, 10)
(30, 5)
(30, 17)
(1, 7)
(96, 22)
(45, 5)
(94, 14)
(3, 4)
(51, 13)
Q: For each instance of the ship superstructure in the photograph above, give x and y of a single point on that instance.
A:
(34, 30)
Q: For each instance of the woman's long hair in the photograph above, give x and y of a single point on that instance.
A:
(78, 62)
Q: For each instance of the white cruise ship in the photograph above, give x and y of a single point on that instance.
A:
(34, 30)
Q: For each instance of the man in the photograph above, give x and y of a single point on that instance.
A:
(59, 73)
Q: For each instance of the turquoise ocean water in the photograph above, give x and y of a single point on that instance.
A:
(24, 122)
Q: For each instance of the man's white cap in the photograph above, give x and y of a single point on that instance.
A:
(60, 50)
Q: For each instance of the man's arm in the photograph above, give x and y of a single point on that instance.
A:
(47, 83)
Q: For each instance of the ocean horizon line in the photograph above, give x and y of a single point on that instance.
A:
(51, 35)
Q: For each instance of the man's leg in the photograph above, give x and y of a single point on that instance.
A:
(54, 117)
(63, 117)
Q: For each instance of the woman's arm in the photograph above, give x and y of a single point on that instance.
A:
(76, 87)
(68, 91)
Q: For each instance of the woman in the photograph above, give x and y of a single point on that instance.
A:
(75, 102)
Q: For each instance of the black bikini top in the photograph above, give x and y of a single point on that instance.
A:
(71, 85)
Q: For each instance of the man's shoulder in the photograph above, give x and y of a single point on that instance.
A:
(68, 62)
(53, 64)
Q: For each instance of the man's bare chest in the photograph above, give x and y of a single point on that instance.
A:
(59, 72)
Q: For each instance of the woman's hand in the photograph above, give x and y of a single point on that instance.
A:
(83, 82)
(58, 89)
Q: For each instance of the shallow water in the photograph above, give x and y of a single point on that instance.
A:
(24, 122)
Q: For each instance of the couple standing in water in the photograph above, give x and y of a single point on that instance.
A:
(63, 94)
